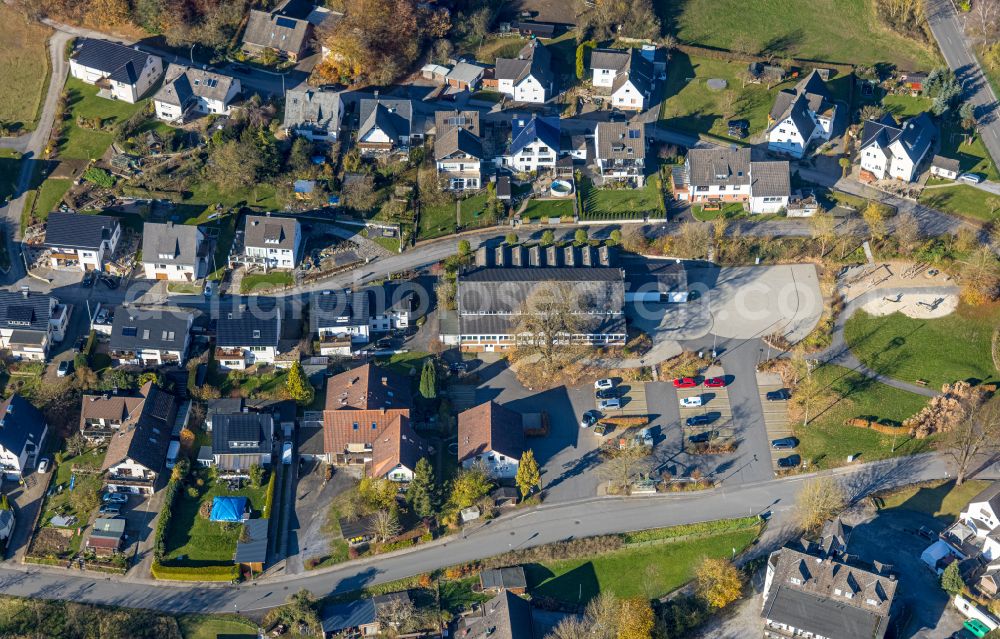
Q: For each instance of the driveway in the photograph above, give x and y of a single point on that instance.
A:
(306, 537)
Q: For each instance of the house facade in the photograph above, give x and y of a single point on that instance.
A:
(894, 151)
(150, 336)
(272, 242)
(458, 150)
(102, 416)
(492, 437)
(314, 114)
(137, 451)
(947, 168)
(534, 144)
(340, 319)
(800, 116)
(715, 177)
(188, 91)
(120, 72)
(241, 440)
(528, 77)
(30, 323)
(386, 125)
(248, 337)
(626, 73)
(174, 252)
(83, 242)
(22, 436)
(621, 152)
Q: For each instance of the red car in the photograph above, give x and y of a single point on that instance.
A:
(715, 382)
(685, 382)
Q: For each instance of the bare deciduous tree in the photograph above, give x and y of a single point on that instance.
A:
(395, 615)
(977, 435)
(384, 525)
(548, 320)
(625, 465)
(820, 499)
(692, 239)
(987, 16)
(907, 232)
(824, 229)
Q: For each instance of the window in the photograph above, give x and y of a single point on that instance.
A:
(374, 426)
(355, 426)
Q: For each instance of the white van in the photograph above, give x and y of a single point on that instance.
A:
(172, 451)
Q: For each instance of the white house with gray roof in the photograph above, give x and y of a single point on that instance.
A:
(386, 125)
(894, 151)
(79, 241)
(30, 322)
(150, 336)
(174, 252)
(715, 177)
(314, 114)
(528, 77)
(627, 73)
(120, 72)
(620, 149)
(801, 116)
(272, 242)
(188, 90)
(248, 336)
(22, 433)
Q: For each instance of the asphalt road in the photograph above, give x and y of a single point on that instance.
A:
(956, 49)
(540, 525)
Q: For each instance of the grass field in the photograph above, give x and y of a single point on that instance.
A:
(831, 30)
(963, 200)
(940, 350)
(941, 499)
(212, 627)
(50, 194)
(729, 211)
(691, 106)
(638, 571)
(257, 281)
(87, 144)
(905, 106)
(471, 209)
(24, 67)
(827, 441)
(548, 208)
(648, 199)
(202, 542)
(437, 221)
(972, 157)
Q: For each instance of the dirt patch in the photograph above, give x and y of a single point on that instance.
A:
(917, 306)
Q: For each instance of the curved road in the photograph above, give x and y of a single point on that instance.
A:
(540, 525)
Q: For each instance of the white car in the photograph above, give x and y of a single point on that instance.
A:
(604, 384)
(208, 289)
(691, 402)
(286, 453)
(605, 404)
(971, 178)
(43, 466)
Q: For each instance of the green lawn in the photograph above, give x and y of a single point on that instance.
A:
(939, 350)
(613, 202)
(729, 211)
(215, 626)
(963, 200)
(24, 67)
(548, 208)
(50, 195)
(405, 363)
(184, 288)
(905, 106)
(691, 106)
(471, 208)
(844, 31)
(941, 499)
(638, 571)
(86, 144)
(827, 441)
(256, 281)
(972, 157)
(202, 542)
(437, 221)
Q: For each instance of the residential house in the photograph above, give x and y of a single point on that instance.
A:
(187, 91)
(458, 149)
(491, 300)
(434, 72)
(465, 75)
(83, 242)
(496, 580)
(528, 77)
(30, 322)
(151, 336)
(715, 177)
(357, 618)
(947, 168)
(286, 35)
(240, 440)
(396, 451)
(386, 125)
(814, 589)
(627, 73)
(360, 404)
(174, 252)
(22, 434)
(248, 336)
(800, 116)
(492, 436)
(107, 536)
(505, 616)
(104, 415)
(889, 150)
(534, 144)
(272, 242)
(342, 318)
(138, 448)
(120, 72)
(314, 114)
(975, 535)
(620, 149)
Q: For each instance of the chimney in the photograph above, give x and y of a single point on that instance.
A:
(25, 292)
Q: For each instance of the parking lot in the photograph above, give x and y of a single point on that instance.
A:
(775, 414)
(632, 396)
(714, 404)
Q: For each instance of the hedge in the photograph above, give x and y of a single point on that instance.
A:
(160, 542)
(873, 424)
(195, 573)
(626, 422)
(269, 495)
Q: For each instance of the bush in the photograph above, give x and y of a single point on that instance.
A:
(100, 177)
(626, 422)
(396, 545)
(169, 498)
(269, 495)
(194, 573)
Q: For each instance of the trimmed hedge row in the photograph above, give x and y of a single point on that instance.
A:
(160, 542)
(269, 494)
(195, 573)
(626, 422)
(878, 427)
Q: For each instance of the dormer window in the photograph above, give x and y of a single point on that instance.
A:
(796, 581)
(871, 602)
(256, 334)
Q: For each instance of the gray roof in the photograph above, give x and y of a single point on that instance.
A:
(914, 135)
(506, 616)
(991, 495)
(533, 59)
(309, 107)
(814, 96)
(264, 231)
(639, 71)
(457, 140)
(257, 326)
(71, 230)
(311, 440)
(445, 121)
(275, 31)
(466, 73)
(718, 166)
(25, 311)
(504, 290)
(229, 429)
(948, 164)
(106, 527)
(620, 140)
(146, 439)
(392, 116)
(119, 62)
(339, 308)
(770, 179)
(254, 550)
(822, 616)
(20, 423)
(508, 577)
(182, 83)
(344, 616)
(799, 114)
(174, 244)
(159, 328)
(668, 276)
(616, 59)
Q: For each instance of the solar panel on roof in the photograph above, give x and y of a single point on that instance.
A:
(20, 314)
(285, 22)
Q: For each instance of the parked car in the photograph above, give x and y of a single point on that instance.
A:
(114, 498)
(702, 438)
(607, 393)
(779, 395)
(286, 453)
(691, 402)
(785, 443)
(88, 279)
(64, 368)
(110, 282)
(208, 289)
(605, 404)
(699, 420)
(110, 509)
(645, 437)
(383, 343)
(589, 418)
(603, 384)
(685, 382)
(81, 343)
(971, 178)
(789, 462)
(715, 382)
(43, 466)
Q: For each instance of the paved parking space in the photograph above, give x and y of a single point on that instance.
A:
(714, 403)
(775, 414)
(633, 400)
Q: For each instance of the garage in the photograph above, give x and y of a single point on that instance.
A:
(656, 282)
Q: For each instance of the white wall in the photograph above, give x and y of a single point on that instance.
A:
(628, 97)
(603, 77)
(496, 465)
(530, 90)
